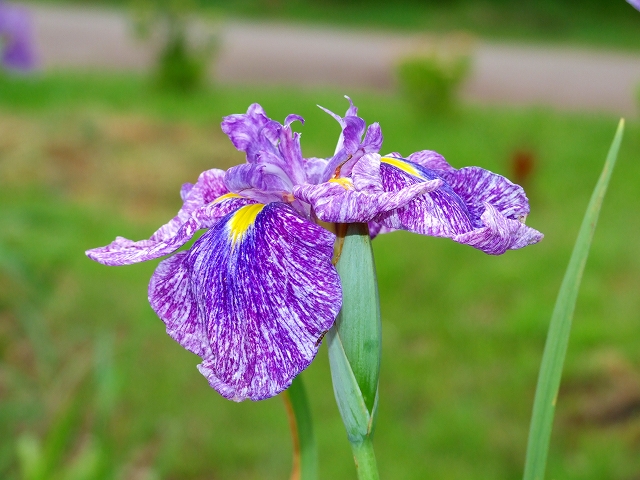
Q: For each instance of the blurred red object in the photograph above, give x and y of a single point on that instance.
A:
(522, 166)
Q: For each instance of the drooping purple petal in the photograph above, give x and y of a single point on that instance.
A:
(266, 291)
(499, 233)
(210, 185)
(123, 251)
(339, 202)
(635, 4)
(376, 229)
(440, 213)
(473, 206)
(431, 160)
(477, 187)
(171, 297)
(16, 38)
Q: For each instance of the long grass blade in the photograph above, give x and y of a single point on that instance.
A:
(305, 453)
(558, 336)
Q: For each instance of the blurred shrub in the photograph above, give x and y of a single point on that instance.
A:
(431, 83)
(181, 63)
(179, 68)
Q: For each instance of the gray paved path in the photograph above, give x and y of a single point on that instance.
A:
(272, 53)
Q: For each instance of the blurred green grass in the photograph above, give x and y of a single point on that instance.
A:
(86, 158)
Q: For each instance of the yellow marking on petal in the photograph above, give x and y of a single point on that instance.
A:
(402, 165)
(226, 196)
(242, 220)
(346, 183)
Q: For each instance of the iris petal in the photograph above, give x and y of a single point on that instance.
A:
(360, 198)
(477, 187)
(440, 213)
(210, 185)
(172, 299)
(474, 206)
(499, 233)
(268, 142)
(430, 159)
(266, 291)
(245, 131)
(123, 251)
(350, 145)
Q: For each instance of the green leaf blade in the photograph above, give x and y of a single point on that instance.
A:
(560, 326)
(305, 451)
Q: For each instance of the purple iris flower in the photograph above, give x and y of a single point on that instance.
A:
(634, 3)
(16, 49)
(254, 295)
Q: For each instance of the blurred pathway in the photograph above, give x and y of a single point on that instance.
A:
(273, 53)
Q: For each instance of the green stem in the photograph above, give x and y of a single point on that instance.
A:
(305, 453)
(365, 459)
(354, 344)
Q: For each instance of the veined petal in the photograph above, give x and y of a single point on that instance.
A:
(439, 213)
(350, 145)
(376, 229)
(499, 233)
(337, 200)
(313, 169)
(123, 251)
(431, 160)
(264, 182)
(171, 297)
(373, 139)
(267, 291)
(477, 187)
(266, 141)
(245, 131)
(210, 185)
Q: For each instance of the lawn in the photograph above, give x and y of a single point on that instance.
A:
(88, 377)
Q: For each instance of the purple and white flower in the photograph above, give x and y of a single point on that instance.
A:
(16, 48)
(254, 295)
(635, 4)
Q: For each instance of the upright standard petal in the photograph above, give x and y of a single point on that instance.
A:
(267, 292)
(245, 131)
(267, 141)
(351, 146)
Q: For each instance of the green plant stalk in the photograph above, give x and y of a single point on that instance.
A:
(305, 452)
(560, 327)
(355, 344)
(365, 459)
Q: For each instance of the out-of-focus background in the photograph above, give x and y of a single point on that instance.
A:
(124, 105)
